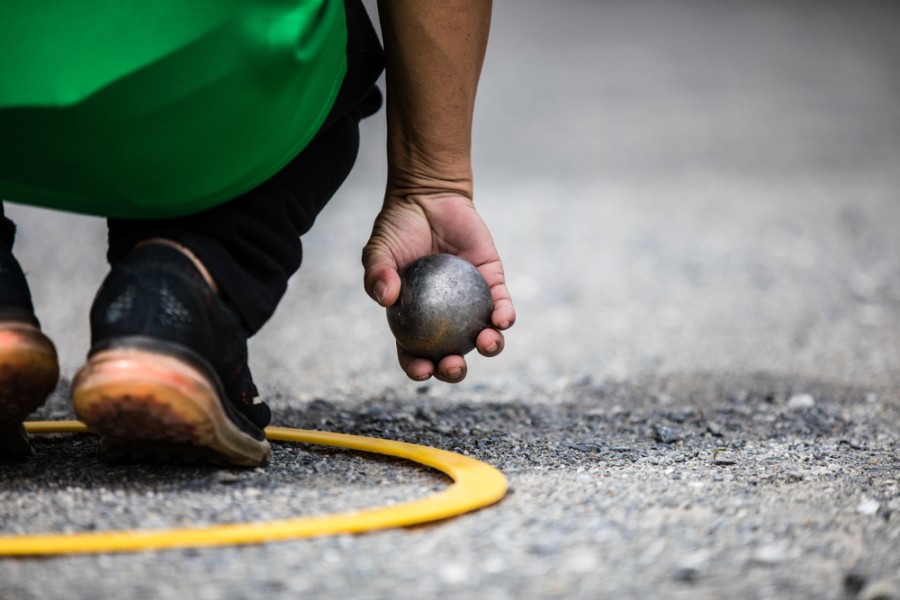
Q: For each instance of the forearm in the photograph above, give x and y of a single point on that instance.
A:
(434, 52)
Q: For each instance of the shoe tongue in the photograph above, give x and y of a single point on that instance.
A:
(165, 258)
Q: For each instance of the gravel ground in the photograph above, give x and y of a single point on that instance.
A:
(698, 205)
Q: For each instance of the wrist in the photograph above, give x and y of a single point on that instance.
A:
(428, 154)
(420, 179)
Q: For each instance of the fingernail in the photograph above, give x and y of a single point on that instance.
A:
(454, 373)
(379, 292)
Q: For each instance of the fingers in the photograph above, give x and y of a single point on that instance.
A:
(450, 369)
(489, 342)
(504, 315)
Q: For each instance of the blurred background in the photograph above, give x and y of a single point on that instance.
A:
(679, 186)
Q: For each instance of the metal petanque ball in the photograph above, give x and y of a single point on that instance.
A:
(444, 304)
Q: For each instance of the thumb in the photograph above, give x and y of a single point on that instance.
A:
(381, 279)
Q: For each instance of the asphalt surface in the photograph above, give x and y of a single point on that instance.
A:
(698, 204)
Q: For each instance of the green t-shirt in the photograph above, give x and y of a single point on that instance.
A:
(157, 108)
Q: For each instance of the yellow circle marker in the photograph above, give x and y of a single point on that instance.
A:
(475, 485)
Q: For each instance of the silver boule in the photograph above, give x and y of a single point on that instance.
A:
(444, 304)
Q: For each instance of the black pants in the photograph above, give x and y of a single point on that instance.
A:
(251, 245)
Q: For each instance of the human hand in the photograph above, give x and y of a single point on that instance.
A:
(409, 227)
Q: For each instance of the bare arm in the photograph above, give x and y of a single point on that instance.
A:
(434, 51)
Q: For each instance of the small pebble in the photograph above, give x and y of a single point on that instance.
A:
(771, 554)
(666, 435)
(868, 507)
(854, 582)
(724, 457)
(799, 401)
(685, 575)
(227, 477)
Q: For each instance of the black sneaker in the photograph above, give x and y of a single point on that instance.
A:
(29, 369)
(167, 376)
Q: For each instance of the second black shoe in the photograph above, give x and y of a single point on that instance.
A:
(29, 369)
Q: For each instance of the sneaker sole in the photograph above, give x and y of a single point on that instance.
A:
(29, 372)
(153, 406)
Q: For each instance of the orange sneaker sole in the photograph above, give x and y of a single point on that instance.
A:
(29, 372)
(155, 406)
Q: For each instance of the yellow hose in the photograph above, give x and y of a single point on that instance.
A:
(475, 485)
